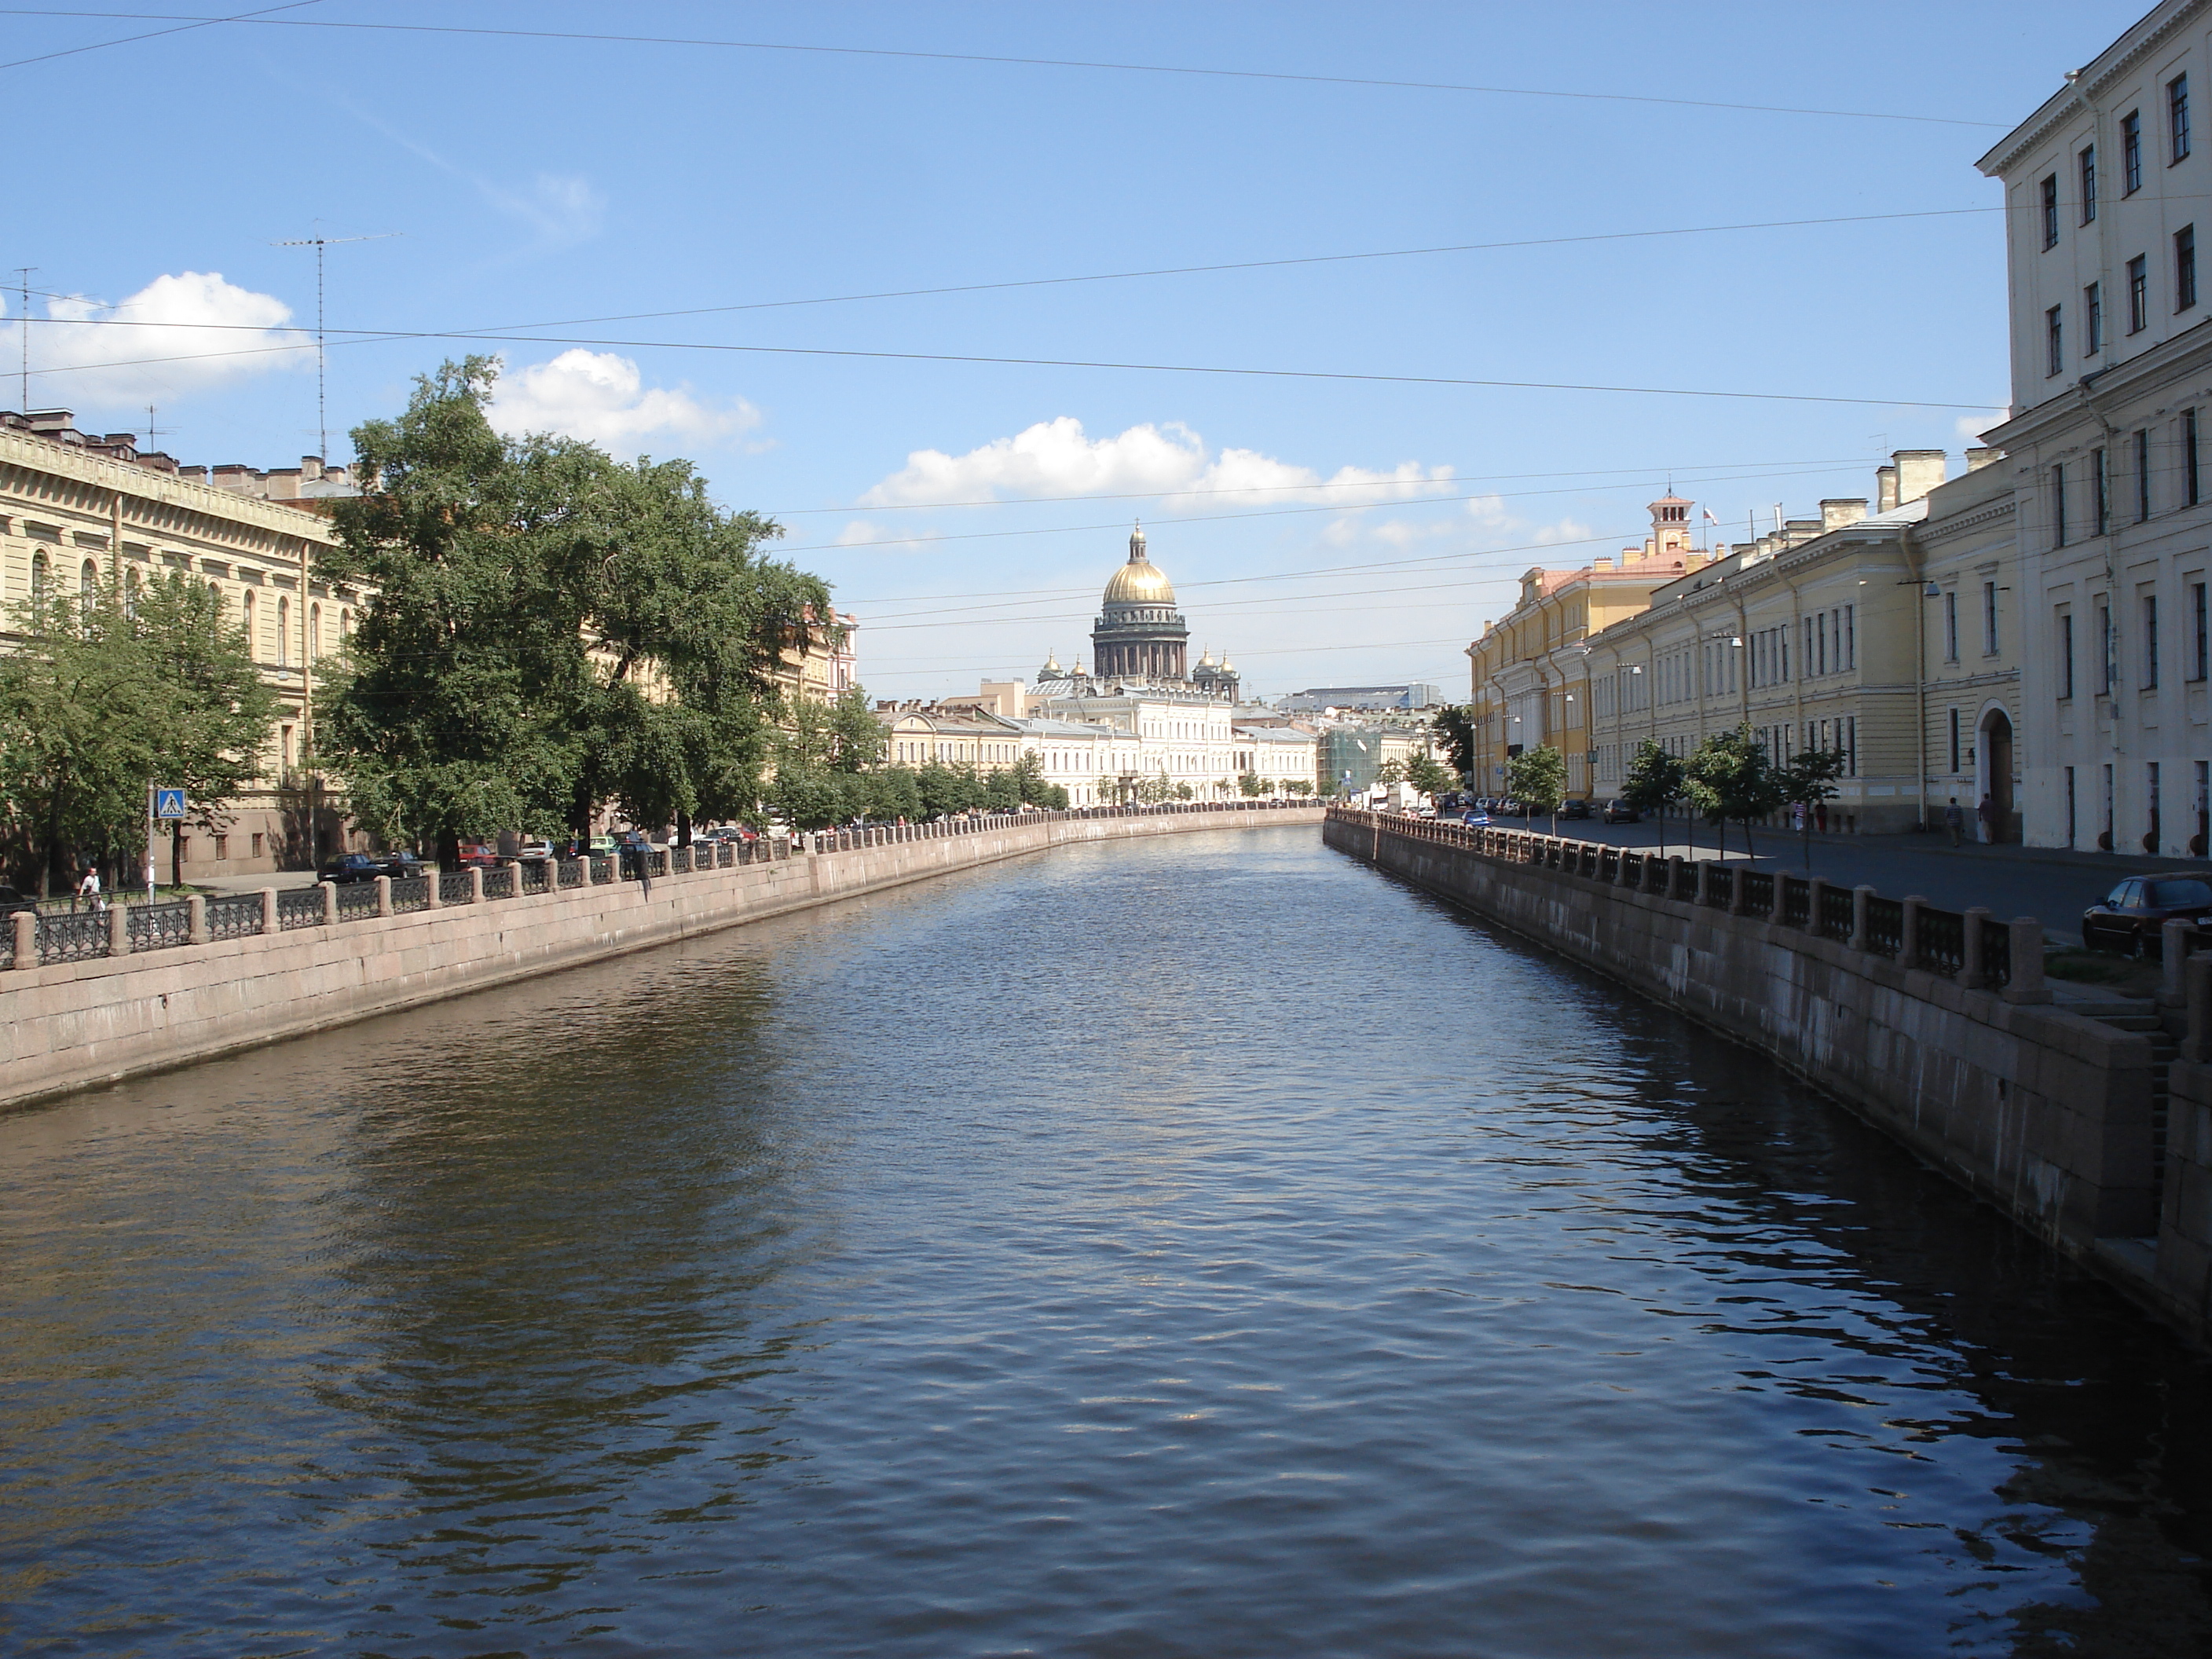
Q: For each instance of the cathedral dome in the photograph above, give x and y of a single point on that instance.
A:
(1140, 581)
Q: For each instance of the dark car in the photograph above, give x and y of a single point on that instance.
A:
(1619, 812)
(368, 866)
(2129, 917)
(11, 902)
(1574, 808)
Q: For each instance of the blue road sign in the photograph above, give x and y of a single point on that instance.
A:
(168, 803)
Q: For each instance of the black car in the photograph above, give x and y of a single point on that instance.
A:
(368, 866)
(1619, 812)
(1574, 808)
(11, 902)
(2129, 916)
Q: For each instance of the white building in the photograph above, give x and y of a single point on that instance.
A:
(2108, 191)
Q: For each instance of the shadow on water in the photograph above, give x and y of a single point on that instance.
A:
(2107, 1419)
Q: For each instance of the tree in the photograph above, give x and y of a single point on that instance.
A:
(1810, 777)
(108, 692)
(1299, 786)
(1654, 782)
(1248, 784)
(1455, 726)
(552, 629)
(1731, 777)
(1537, 778)
(1391, 771)
(1428, 774)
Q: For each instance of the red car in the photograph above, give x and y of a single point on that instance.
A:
(2129, 917)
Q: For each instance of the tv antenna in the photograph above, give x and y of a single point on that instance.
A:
(318, 243)
(23, 320)
(151, 429)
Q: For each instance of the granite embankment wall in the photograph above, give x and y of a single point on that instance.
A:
(2045, 1114)
(66, 1025)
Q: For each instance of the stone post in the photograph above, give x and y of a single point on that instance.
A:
(26, 939)
(2026, 984)
(329, 903)
(1674, 874)
(118, 928)
(269, 910)
(434, 880)
(1908, 933)
(384, 896)
(475, 883)
(1971, 974)
(1779, 906)
(2197, 989)
(195, 925)
(1704, 883)
(1860, 894)
(2174, 954)
(1814, 888)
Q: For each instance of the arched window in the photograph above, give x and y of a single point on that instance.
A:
(345, 626)
(42, 576)
(88, 580)
(283, 631)
(315, 632)
(245, 616)
(130, 594)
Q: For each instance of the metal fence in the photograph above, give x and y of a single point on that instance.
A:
(1996, 952)
(72, 936)
(454, 887)
(157, 926)
(1939, 939)
(1836, 917)
(356, 899)
(410, 893)
(574, 872)
(234, 917)
(1885, 929)
(299, 907)
(1720, 886)
(1756, 887)
(1796, 901)
(499, 883)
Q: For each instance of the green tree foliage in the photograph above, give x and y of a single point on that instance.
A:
(1299, 787)
(1810, 777)
(1428, 775)
(110, 691)
(1455, 726)
(1654, 783)
(1391, 771)
(1731, 777)
(1537, 778)
(1248, 785)
(553, 630)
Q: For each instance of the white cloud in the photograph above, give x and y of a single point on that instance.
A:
(1056, 457)
(176, 334)
(601, 398)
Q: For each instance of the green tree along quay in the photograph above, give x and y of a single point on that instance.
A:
(1455, 726)
(1731, 777)
(1428, 775)
(108, 692)
(1537, 778)
(1654, 782)
(1810, 777)
(553, 630)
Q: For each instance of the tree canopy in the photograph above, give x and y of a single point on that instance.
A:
(1537, 778)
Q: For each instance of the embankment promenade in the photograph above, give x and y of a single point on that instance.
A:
(1936, 1026)
(86, 999)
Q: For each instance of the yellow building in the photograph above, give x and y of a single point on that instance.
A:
(1530, 678)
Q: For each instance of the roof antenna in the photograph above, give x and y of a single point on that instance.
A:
(318, 243)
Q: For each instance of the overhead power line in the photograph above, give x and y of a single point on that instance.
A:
(185, 26)
(693, 41)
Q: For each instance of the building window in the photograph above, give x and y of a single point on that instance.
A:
(1847, 730)
(283, 631)
(246, 618)
(2093, 319)
(2066, 657)
(2151, 794)
(2177, 116)
(2200, 640)
(1954, 740)
(2138, 294)
(2089, 184)
(2054, 342)
(2142, 475)
(2150, 642)
(2069, 806)
(1950, 627)
(1851, 636)
(2058, 505)
(257, 844)
(2190, 475)
(1988, 619)
(2184, 268)
(2050, 211)
(221, 849)
(2108, 649)
(2100, 496)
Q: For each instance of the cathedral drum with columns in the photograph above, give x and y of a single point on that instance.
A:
(1139, 633)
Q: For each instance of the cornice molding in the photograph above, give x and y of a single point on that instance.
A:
(2117, 61)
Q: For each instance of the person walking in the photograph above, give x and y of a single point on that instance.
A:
(1985, 822)
(88, 890)
(1955, 822)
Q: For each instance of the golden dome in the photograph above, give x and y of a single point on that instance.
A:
(1140, 581)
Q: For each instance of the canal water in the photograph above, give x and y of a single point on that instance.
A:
(1196, 1247)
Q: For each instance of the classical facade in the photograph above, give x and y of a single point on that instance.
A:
(1139, 633)
(2108, 196)
(78, 509)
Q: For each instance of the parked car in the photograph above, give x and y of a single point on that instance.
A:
(1476, 816)
(368, 866)
(1619, 812)
(1574, 808)
(603, 847)
(1510, 809)
(2129, 917)
(534, 852)
(11, 902)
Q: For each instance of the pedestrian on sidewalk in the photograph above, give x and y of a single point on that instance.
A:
(1954, 821)
(1986, 824)
(87, 889)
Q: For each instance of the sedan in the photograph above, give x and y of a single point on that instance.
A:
(1619, 812)
(1476, 816)
(1574, 808)
(2129, 916)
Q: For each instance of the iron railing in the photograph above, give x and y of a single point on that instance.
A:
(356, 899)
(237, 916)
(1885, 929)
(1720, 886)
(574, 872)
(1939, 940)
(603, 871)
(299, 907)
(72, 935)
(1996, 952)
(1796, 901)
(158, 926)
(1836, 917)
(536, 877)
(1755, 895)
(410, 893)
(1686, 880)
(499, 883)
(453, 887)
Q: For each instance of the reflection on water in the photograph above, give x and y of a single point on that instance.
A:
(1202, 1247)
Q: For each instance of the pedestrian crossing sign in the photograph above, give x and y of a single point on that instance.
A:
(168, 803)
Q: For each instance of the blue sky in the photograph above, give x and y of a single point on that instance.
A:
(537, 181)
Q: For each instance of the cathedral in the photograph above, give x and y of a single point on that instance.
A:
(1141, 637)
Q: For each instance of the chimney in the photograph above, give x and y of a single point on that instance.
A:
(311, 468)
(1800, 531)
(1884, 479)
(50, 420)
(1979, 458)
(1601, 564)
(1836, 513)
(1918, 471)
